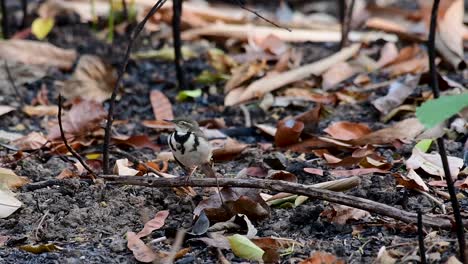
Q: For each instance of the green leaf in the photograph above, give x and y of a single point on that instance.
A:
(424, 145)
(165, 53)
(209, 77)
(185, 94)
(41, 27)
(435, 111)
(244, 248)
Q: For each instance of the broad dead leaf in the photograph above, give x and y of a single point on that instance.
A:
(432, 163)
(227, 149)
(93, 79)
(345, 130)
(340, 214)
(407, 129)
(8, 203)
(244, 73)
(288, 132)
(162, 107)
(271, 83)
(9, 179)
(83, 118)
(37, 53)
(336, 74)
(31, 141)
(136, 141)
(388, 54)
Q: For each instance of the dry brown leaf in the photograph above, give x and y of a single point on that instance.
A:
(9, 179)
(136, 141)
(345, 130)
(92, 80)
(162, 107)
(388, 54)
(232, 97)
(37, 53)
(41, 110)
(244, 73)
(356, 172)
(321, 257)
(306, 94)
(140, 250)
(407, 129)
(154, 224)
(336, 74)
(340, 214)
(272, 44)
(31, 141)
(384, 257)
(84, 117)
(411, 181)
(271, 83)
(227, 149)
(314, 171)
(288, 132)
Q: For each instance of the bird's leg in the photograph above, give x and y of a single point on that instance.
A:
(189, 174)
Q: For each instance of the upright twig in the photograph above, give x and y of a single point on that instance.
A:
(125, 10)
(5, 32)
(422, 249)
(13, 85)
(24, 6)
(123, 68)
(440, 141)
(65, 141)
(242, 5)
(176, 20)
(346, 15)
(111, 22)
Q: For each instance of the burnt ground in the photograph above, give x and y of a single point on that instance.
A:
(89, 221)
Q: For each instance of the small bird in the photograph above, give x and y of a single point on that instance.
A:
(190, 147)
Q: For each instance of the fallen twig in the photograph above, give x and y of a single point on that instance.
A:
(422, 249)
(440, 141)
(287, 187)
(64, 139)
(123, 68)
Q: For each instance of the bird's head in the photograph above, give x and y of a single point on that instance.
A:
(185, 125)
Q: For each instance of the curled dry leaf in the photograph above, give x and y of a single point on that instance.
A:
(154, 224)
(162, 107)
(31, 141)
(236, 201)
(397, 94)
(345, 130)
(411, 181)
(432, 163)
(244, 73)
(340, 214)
(84, 117)
(140, 250)
(288, 132)
(37, 53)
(92, 79)
(122, 168)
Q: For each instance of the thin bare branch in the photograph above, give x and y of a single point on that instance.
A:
(287, 187)
(64, 139)
(123, 68)
(440, 141)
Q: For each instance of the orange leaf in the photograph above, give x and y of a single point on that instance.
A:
(345, 130)
(162, 107)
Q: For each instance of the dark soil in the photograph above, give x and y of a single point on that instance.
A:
(89, 221)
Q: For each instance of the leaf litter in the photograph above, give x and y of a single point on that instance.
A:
(317, 111)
